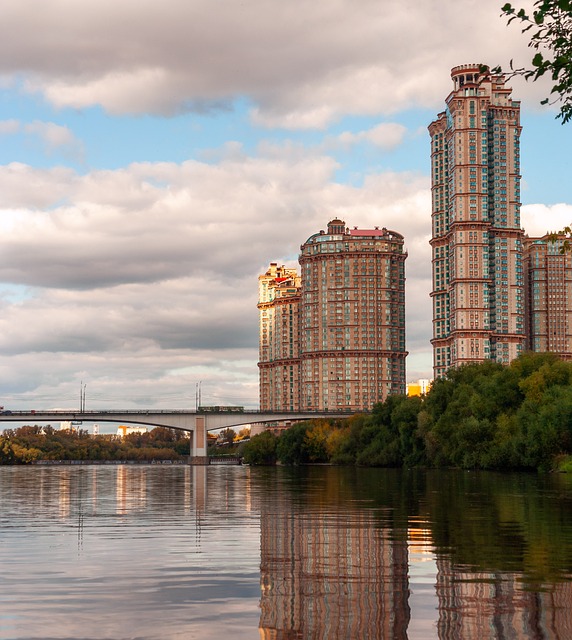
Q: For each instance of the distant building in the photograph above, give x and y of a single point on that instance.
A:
(334, 337)
(123, 430)
(548, 283)
(476, 239)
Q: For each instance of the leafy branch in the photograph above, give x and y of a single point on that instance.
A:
(551, 37)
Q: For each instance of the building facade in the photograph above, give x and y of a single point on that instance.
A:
(548, 294)
(352, 341)
(279, 355)
(476, 239)
(334, 339)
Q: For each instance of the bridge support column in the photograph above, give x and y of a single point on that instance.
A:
(199, 441)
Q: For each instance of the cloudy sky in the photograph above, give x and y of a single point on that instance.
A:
(156, 156)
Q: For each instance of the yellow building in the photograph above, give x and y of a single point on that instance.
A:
(419, 388)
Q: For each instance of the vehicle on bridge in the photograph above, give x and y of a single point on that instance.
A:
(220, 408)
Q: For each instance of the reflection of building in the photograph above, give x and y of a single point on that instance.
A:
(130, 488)
(340, 576)
(478, 306)
(335, 337)
(497, 606)
(548, 282)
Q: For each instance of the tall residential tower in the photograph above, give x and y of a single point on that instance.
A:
(279, 361)
(334, 338)
(352, 336)
(548, 293)
(476, 239)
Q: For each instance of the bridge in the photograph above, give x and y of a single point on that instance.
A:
(197, 423)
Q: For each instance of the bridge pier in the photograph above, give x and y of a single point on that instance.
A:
(198, 453)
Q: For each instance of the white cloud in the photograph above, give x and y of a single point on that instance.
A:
(539, 219)
(142, 280)
(8, 127)
(24, 187)
(303, 65)
(386, 135)
(55, 137)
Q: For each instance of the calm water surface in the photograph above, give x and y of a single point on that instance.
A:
(168, 552)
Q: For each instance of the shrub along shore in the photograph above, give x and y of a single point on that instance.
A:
(34, 444)
(480, 416)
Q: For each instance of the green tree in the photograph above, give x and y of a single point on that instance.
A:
(260, 450)
(291, 447)
(228, 436)
(550, 30)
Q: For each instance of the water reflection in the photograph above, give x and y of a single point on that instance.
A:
(339, 561)
(330, 572)
(319, 552)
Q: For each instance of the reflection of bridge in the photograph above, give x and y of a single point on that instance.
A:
(197, 423)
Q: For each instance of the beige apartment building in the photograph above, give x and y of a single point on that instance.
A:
(476, 240)
(337, 339)
(548, 287)
(279, 353)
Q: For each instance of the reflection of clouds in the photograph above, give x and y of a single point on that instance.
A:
(141, 572)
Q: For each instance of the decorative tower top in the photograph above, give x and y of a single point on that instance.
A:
(336, 226)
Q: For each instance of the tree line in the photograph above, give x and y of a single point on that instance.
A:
(480, 416)
(29, 444)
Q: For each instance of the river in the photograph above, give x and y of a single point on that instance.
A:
(166, 552)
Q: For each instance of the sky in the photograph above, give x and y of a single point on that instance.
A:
(156, 156)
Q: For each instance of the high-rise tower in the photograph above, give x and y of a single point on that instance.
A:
(352, 313)
(548, 286)
(476, 239)
(279, 363)
(333, 338)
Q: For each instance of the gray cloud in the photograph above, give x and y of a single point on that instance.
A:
(156, 265)
(302, 64)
